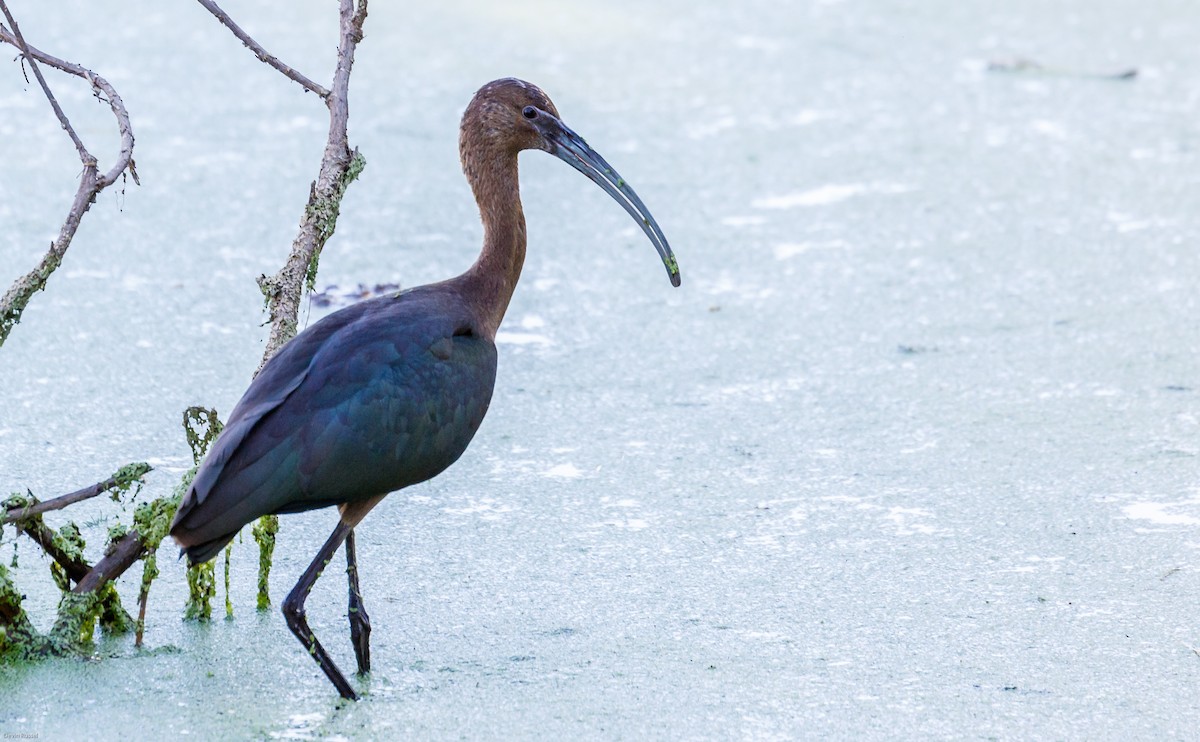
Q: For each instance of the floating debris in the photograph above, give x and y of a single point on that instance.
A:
(1028, 66)
(335, 296)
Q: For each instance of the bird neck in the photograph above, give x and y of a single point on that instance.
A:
(494, 276)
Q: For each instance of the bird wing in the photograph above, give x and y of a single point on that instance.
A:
(281, 376)
(393, 412)
(380, 395)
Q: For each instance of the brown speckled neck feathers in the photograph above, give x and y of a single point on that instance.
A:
(489, 140)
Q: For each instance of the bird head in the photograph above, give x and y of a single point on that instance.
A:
(509, 115)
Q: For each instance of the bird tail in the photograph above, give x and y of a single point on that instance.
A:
(202, 552)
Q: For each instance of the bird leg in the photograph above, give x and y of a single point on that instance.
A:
(360, 622)
(293, 610)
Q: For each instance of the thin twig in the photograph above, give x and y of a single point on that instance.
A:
(58, 503)
(291, 72)
(143, 597)
(14, 301)
(104, 91)
(84, 155)
(1021, 65)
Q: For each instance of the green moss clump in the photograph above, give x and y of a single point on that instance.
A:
(76, 623)
(70, 542)
(78, 614)
(75, 627)
(264, 534)
(202, 586)
(201, 426)
(128, 476)
(18, 639)
(16, 501)
(152, 520)
(113, 618)
(357, 163)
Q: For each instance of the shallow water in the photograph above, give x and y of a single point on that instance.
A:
(912, 452)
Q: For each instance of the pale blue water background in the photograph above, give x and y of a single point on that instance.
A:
(912, 453)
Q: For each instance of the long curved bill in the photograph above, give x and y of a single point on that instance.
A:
(570, 147)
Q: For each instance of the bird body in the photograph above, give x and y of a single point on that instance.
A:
(375, 397)
(388, 392)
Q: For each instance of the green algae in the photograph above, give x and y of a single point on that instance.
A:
(74, 629)
(201, 427)
(202, 586)
(152, 521)
(77, 615)
(69, 542)
(18, 639)
(264, 534)
(113, 619)
(128, 476)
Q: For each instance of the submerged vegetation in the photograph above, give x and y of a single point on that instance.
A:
(89, 595)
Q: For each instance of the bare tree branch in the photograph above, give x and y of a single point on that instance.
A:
(120, 480)
(291, 72)
(14, 301)
(339, 168)
(103, 91)
(124, 553)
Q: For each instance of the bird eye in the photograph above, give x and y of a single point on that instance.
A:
(530, 112)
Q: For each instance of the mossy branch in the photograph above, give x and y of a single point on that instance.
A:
(202, 586)
(16, 508)
(339, 168)
(201, 427)
(94, 597)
